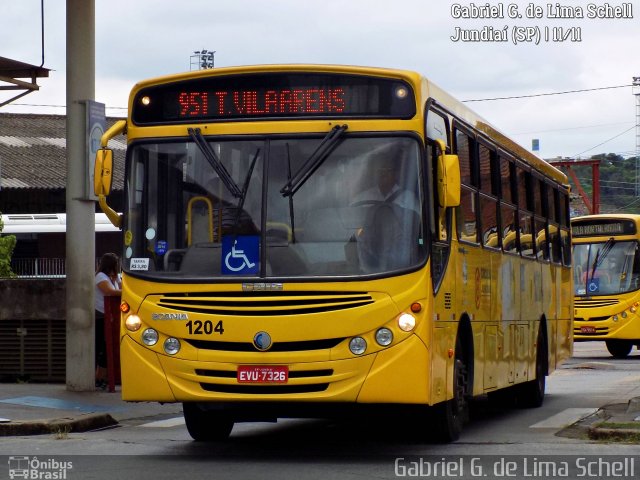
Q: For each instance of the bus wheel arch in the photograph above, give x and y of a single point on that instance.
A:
(451, 415)
(531, 393)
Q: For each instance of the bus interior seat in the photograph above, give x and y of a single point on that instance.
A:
(199, 220)
(202, 259)
(285, 260)
(173, 258)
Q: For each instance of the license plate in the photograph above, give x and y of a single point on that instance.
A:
(587, 329)
(262, 374)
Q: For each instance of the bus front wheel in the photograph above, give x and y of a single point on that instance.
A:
(619, 348)
(450, 416)
(206, 425)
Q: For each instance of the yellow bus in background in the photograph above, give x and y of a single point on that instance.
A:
(607, 280)
(309, 241)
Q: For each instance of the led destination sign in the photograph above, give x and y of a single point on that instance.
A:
(290, 101)
(274, 96)
(603, 228)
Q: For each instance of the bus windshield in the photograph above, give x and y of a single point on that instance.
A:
(606, 268)
(271, 207)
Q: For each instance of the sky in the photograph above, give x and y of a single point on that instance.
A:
(140, 39)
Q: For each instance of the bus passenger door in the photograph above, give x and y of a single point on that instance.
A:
(443, 268)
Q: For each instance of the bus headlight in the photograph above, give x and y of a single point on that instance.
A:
(384, 337)
(172, 345)
(358, 345)
(133, 323)
(406, 322)
(615, 318)
(150, 337)
(624, 314)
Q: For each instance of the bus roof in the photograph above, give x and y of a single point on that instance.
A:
(429, 89)
(48, 223)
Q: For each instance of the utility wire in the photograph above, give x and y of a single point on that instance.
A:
(626, 206)
(545, 94)
(596, 146)
(571, 128)
(56, 106)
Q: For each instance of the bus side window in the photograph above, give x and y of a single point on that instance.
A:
(539, 190)
(487, 162)
(525, 228)
(508, 205)
(466, 221)
(565, 237)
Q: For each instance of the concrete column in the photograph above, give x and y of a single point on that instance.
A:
(80, 240)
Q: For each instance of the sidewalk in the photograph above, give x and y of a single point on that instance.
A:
(33, 409)
(618, 422)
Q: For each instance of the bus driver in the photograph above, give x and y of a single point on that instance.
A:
(388, 238)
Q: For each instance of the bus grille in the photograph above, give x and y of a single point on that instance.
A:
(276, 347)
(264, 303)
(264, 389)
(592, 319)
(593, 303)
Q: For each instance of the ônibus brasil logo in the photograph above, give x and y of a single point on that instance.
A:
(33, 468)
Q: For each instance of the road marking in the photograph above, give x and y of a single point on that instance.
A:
(58, 404)
(169, 422)
(565, 418)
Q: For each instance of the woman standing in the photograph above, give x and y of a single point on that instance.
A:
(107, 283)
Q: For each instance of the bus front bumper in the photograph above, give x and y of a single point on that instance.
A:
(398, 374)
(622, 329)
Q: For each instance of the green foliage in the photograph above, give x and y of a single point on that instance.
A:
(7, 244)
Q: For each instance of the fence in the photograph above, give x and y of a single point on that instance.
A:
(38, 267)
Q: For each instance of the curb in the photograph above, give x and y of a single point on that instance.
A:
(80, 423)
(594, 426)
(617, 434)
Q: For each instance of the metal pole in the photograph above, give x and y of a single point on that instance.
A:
(80, 238)
(636, 92)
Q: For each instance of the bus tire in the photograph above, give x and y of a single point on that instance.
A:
(619, 348)
(205, 425)
(451, 415)
(531, 393)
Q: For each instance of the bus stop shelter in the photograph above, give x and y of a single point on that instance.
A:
(19, 78)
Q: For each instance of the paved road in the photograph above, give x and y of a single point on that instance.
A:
(160, 447)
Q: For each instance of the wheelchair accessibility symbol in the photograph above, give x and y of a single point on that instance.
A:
(241, 254)
(593, 285)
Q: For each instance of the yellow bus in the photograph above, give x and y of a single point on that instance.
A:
(303, 241)
(607, 280)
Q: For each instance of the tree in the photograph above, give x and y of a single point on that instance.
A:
(7, 244)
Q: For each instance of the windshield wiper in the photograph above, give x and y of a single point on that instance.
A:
(291, 216)
(600, 256)
(243, 194)
(327, 145)
(214, 161)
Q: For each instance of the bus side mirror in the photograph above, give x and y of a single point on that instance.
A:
(448, 178)
(102, 172)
